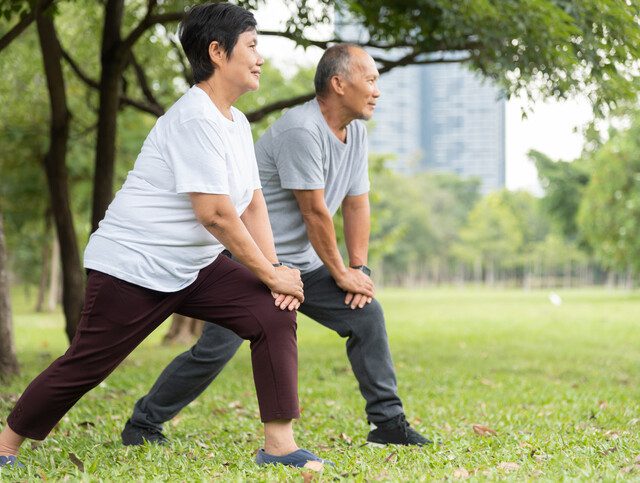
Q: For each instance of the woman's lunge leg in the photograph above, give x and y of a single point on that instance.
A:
(116, 317)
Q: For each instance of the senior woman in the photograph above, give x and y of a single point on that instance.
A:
(194, 191)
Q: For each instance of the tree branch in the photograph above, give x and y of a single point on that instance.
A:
(150, 108)
(148, 21)
(144, 84)
(24, 22)
(259, 114)
(186, 69)
(76, 68)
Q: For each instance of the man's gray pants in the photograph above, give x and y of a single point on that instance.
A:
(190, 373)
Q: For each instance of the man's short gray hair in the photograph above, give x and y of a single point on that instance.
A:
(334, 61)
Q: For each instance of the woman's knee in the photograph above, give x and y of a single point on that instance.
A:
(278, 322)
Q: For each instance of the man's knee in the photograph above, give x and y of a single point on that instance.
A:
(369, 319)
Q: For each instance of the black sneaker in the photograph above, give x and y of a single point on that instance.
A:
(133, 435)
(396, 431)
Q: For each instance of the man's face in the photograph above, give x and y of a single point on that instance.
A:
(361, 91)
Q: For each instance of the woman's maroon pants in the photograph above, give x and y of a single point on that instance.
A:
(118, 315)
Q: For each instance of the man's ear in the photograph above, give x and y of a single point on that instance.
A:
(216, 53)
(338, 84)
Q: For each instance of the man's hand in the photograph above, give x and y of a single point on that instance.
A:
(357, 300)
(286, 287)
(359, 287)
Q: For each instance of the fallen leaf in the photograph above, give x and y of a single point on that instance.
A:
(76, 461)
(484, 430)
(524, 444)
(345, 437)
(307, 477)
(235, 405)
(612, 434)
(487, 382)
(603, 404)
(460, 473)
(508, 466)
(391, 458)
(629, 469)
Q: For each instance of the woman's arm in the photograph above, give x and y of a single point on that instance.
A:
(218, 215)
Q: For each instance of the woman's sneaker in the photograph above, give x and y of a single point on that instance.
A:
(396, 431)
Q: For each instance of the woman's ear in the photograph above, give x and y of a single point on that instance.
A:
(216, 53)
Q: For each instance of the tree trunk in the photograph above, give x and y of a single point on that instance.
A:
(8, 361)
(113, 63)
(54, 278)
(46, 264)
(57, 176)
(183, 330)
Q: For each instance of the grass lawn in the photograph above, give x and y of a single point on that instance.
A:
(558, 384)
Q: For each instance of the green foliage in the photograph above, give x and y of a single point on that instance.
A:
(557, 383)
(609, 215)
(552, 47)
(493, 235)
(563, 184)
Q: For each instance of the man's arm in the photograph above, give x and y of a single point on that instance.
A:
(322, 236)
(256, 220)
(218, 215)
(356, 216)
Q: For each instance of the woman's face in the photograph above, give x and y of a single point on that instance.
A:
(243, 66)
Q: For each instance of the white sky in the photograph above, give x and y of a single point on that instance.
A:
(553, 128)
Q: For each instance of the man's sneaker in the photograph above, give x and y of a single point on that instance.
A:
(396, 431)
(133, 435)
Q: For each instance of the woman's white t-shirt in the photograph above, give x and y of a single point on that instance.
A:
(150, 235)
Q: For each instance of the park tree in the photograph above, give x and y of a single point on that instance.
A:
(492, 237)
(609, 214)
(548, 47)
(563, 183)
(8, 360)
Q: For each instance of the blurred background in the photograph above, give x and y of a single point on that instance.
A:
(503, 152)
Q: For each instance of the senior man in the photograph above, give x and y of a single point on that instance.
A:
(311, 161)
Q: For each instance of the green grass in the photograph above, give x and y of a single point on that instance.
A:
(558, 384)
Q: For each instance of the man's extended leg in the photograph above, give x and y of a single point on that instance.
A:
(183, 380)
(368, 351)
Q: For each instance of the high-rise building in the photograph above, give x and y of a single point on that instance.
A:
(442, 117)
(438, 117)
(463, 129)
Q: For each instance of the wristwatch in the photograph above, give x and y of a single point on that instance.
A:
(363, 268)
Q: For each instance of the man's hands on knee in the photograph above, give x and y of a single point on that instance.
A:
(359, 287)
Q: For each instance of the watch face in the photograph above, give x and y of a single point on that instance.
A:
(363, 268)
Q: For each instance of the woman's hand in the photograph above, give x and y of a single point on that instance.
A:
(286, 287)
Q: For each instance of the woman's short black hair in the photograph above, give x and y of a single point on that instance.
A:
(203, 24)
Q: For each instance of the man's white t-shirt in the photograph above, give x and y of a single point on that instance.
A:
(150, 235)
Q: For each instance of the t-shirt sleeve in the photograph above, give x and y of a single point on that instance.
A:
(360, 175)
(195, 152)
(298, 158)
